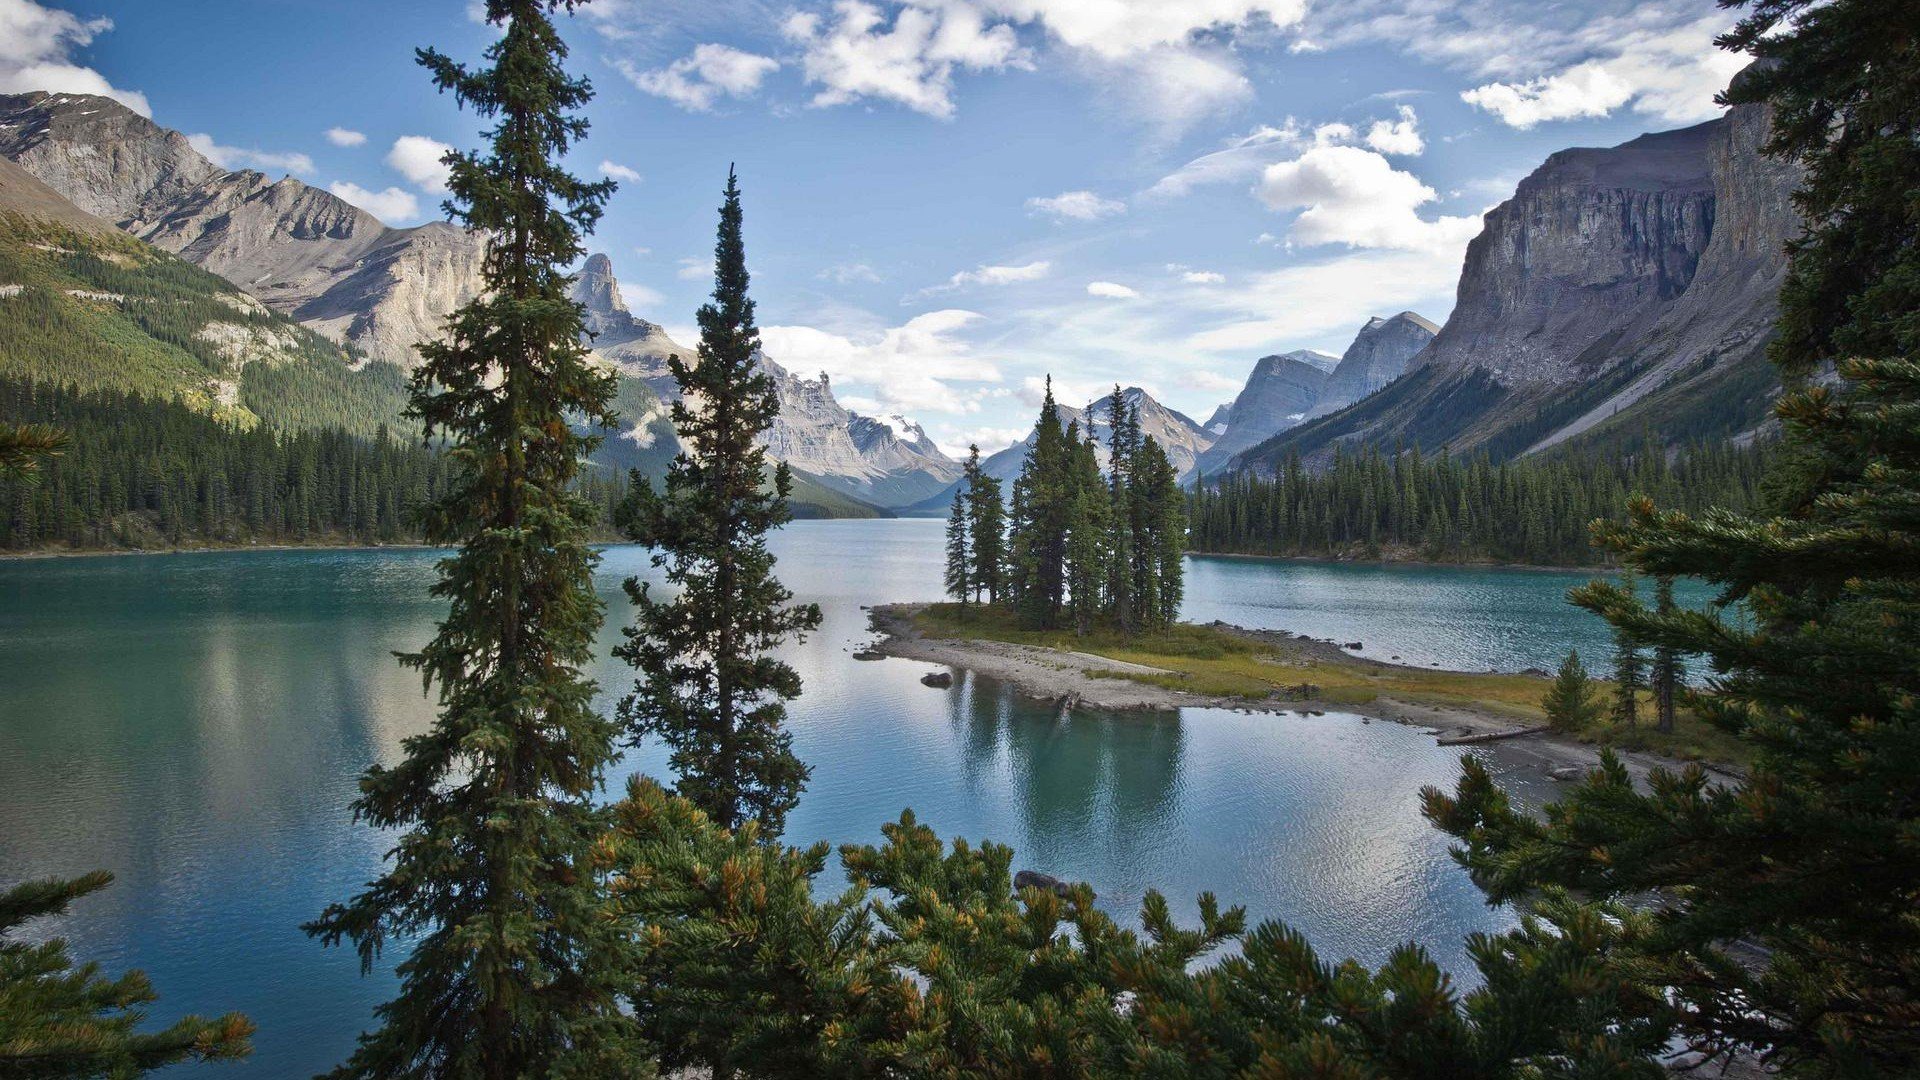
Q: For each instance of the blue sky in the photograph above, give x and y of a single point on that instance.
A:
(948, 200)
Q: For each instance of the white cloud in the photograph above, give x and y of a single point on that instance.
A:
(991, 440)
(994, 275)
(1202, 277)
(856, 54)
(417, 158)
(619, 171)
(1111, 290)
(849, 273)
(36, 53)
(340, 136)
(1074, 392)
(696, 81)
(1323, 301)
(908, 368)
(1118, 28)
(1351, 196)
(1075, 205)
(235, 157)
(640, 296)
(694, 268)
(1585, 90)
(1244, 157)
(393, 205)
(1400, 137)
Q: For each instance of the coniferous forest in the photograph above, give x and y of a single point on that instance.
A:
(1535, 510)
(148, 473)
(1670, 921)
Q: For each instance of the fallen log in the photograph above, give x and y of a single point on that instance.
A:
(1490, 736)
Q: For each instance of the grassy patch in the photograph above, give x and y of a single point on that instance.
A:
(1208, 661)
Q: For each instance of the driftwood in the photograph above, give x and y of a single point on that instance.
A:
(1490, 736)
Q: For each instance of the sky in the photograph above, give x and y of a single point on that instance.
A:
(948, 201)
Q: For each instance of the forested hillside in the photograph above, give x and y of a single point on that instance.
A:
(1537, 510)
(102, 311)
(145, 473)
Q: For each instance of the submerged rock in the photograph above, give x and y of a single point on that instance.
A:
(939, 680)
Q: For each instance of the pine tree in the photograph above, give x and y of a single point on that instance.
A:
(1160, 545)
(1629, 678)
(1123, 444)
(987, 525)
(492, 879)
(1569, 702)
(1038, 526)
(959, 559)
(707, 686)
(1667, 668)
(1809, 863)
(24, 446)
(57, 1020)
(1089, 531)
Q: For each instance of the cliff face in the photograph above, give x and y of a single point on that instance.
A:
(1279, 393)
(303, 251)
(1379, 354)
(1621, 289)
(637, 347)
(1587, 252)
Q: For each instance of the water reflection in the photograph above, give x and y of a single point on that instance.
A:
(196, 724)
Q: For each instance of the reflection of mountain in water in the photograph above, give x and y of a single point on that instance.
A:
(1094, 789)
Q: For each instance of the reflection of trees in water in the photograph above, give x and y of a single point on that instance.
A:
(1093, 788)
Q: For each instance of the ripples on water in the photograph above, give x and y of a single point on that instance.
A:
(196, 723)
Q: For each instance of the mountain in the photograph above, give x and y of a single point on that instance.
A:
(302, 251)
(84, 304)
(1279, 392)
(1622, 289)
(1379, 354)
(1217, 422)
(1182, 439)
(638, 347)
(868, 459)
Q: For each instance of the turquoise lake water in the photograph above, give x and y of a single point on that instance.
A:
(195, 724)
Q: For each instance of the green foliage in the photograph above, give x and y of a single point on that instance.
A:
(1569, 703)
(959, 583)
(1040, 520)
(986, 531)
(25, 447)
(707, 686)
(494, 880)
(1789, 914)
(107, 312)
(1533, 510)
(62, 1021)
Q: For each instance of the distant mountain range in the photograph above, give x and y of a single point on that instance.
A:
(1620, 290)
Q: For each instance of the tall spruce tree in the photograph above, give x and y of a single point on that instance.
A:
(987, 530)
(1089, 532)
(58, 1020)
(1666, 668)
(959, 581)
(492, 880)
(1810, 864)
(1038, 526)
(1160, 543)
(708, 687)
(1123, 444)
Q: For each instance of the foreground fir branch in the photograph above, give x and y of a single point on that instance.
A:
(58, 1020)
(708, 687)
(492, 883)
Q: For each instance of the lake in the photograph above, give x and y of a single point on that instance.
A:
(195, 724)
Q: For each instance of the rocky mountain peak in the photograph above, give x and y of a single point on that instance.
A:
(1379, 354)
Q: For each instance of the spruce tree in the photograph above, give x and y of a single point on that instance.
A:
(1123, 444)
(1041, 504)
(1810, 864)
(708, 687)
(1569, 702)
(1667, 669)
(24, 446)
(987, 530)
(1160, 544)
(1088, 532)
(492, 881)
(58, 1020)
(959, 582)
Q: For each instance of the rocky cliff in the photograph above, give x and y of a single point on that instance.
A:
(1279, 393)
(1379, 354)
(303, 251)
(638, 347)
(1620, 290)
